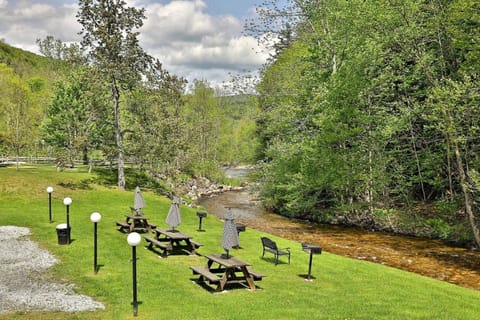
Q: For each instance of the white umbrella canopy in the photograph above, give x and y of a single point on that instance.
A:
(229, 234)
(174, 218)
(138, 201)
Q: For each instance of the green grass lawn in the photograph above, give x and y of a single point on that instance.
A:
(343, 288)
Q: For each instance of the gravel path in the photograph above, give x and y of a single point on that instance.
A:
(23, 284)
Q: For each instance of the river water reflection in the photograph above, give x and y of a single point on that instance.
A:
(427, 257)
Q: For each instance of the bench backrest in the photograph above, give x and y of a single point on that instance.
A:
(266, 242)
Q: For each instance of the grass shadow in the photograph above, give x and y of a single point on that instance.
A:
(272, 260)
(231, 286)
(82, 185)
(133, 178)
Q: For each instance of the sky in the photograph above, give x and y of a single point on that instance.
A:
(195, 39)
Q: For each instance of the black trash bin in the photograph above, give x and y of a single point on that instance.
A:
(63, 233)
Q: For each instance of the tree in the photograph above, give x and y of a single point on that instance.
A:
(455, 105)
(202, 115)
(156, 137)
(76, 119)
(111, 42)
(16, 107)
(57, 49)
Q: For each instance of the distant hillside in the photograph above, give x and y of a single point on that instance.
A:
(27, 64)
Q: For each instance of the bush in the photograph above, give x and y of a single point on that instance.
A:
(440, 228)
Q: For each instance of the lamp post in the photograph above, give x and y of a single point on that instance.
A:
(67, 202)
(49, 191)
(133, 240)
(95, 218)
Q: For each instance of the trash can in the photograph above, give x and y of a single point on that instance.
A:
(240, 227)
(63, 233)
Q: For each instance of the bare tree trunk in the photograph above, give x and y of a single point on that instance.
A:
(466, 193)
(419, 169)
(449, 170)
(118, 136)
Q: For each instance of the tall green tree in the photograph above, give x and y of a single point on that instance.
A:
(456, 106)
(77, 119)
(203, 116)
(110, 38)
(17, 109)
(156, 137)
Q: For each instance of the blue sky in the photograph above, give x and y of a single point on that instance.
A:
(239, 8)
(196, 39)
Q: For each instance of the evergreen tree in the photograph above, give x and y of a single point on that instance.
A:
(111, 42)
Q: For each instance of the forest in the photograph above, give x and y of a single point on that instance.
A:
(369, 114)
(366, 114)
(56, 106)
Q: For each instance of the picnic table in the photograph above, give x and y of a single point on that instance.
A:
(137, 223)
(223, 271)
(170, 240)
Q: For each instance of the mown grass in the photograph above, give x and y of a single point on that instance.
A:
(342, 289)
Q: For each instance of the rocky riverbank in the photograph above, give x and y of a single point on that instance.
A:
(194, 188)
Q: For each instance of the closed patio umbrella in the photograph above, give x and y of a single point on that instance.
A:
(138, 202)
(173, 217)
(229, 234)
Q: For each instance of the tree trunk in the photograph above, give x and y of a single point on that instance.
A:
(466, 193)
(417, 160)
(85, 155)
(118, 136)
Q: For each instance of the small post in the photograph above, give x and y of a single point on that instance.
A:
(310, 266)
(50, 190)
(67, 202)
(311, 249)
(200, 216)
(95, 218)
(133, 240)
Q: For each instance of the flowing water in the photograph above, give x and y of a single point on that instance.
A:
(432, 258)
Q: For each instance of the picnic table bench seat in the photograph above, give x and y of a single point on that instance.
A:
(145, 228)
(195, 244)
(205, 274)
(271, 246)
(123, 225)
(165, 246)
(257, 276)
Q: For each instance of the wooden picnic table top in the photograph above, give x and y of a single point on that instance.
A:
(230, 262)
(172, 234)
(135, 217)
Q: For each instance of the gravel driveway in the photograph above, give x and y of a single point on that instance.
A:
(23, 283)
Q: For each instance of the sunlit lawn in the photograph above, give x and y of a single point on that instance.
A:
(342, 288)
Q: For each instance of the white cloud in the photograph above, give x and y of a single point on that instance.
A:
(185, 38)
(188, 41)
(24, 22)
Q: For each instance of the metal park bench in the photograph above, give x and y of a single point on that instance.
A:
(270, 246)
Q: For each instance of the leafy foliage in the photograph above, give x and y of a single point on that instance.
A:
(379, 106)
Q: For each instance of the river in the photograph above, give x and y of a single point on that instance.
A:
(432, 258)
